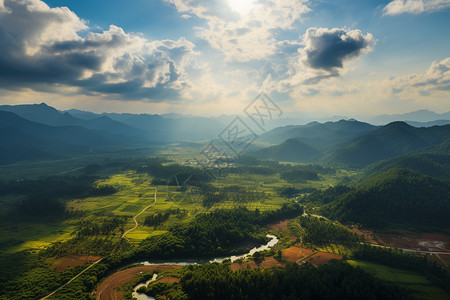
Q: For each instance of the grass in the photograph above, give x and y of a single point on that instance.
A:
(421, 287)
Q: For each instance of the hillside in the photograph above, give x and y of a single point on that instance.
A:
(433, 161)
(395, 196)
(317, 134)
(291, 150)
(42, 113)
(24, 140)
(392, 140)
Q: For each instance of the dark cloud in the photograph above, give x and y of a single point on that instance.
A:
(328, 49)
(41, 48)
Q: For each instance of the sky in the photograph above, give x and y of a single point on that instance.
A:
(324, 58)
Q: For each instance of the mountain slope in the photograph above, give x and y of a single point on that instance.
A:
(394, 139)
(319, 135)
(395, 196)
(291, 150)
(42, 113)
(434, 161)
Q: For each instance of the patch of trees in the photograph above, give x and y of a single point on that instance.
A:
(216, 233)
(168, 172)
(291, 192)
(234, 193)
(328, 195)
(299, 175)
(100, 226)
(160, 217)
(43, 196)
(102, 190)
(319, 231)
(336, 280)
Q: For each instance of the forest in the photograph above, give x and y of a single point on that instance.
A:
(335, 280)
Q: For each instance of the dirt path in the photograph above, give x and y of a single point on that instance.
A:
(135, 217)
(76, 276)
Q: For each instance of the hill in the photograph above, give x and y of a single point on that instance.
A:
(291, 150)
(24, 140)
(433, 161)
(42, 113)
(392, 140)
(395, 196)
(317, 134)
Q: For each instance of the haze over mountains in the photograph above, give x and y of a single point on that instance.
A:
(30, 132)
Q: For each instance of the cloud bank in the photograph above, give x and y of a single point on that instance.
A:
(49, 48)
(415, 7)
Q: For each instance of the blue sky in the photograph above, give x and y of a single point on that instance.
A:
(353, 58)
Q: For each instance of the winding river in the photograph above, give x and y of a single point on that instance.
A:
(274, 240)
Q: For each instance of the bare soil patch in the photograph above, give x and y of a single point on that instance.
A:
(321, 258)
(437, 242)
(280, 225)
(268, 262)
(294, 253)
(63, 263)
(169, 279)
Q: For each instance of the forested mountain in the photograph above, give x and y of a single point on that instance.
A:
(433, 161)
(395, 196)
(290, 150)
(318, 135)
(388, 141)
(26, 140)
(147, 126)
(42, 113)
(367, 145)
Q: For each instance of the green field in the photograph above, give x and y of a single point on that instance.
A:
(422, 288)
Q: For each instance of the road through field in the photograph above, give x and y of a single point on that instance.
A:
(135, 217)
(96, 262)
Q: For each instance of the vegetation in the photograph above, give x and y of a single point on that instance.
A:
(336, 280)
(319, 231)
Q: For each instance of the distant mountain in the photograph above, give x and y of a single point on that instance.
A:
(291, 150)
(42, 113)
(415, 116)
(317, 134)
(23, 140)
(167, 127)
(394, 139)
(178, 129)
(428, 124)
(395, 196)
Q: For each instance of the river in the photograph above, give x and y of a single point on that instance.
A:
(274, 240)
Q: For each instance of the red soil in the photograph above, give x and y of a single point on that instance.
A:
(169, 279)
(63, 263)
(295, 253)
(321, 258)
(268, 262)
(280, 225)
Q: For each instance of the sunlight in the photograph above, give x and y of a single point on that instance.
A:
(241, 6)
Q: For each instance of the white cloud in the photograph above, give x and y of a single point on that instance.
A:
(321, 54)
(42, 48)
(415, 7)
(248, 36)
(436, 80)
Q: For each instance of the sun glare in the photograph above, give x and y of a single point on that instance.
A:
(241, 6)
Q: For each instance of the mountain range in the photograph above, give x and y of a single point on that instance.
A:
(39, 131)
